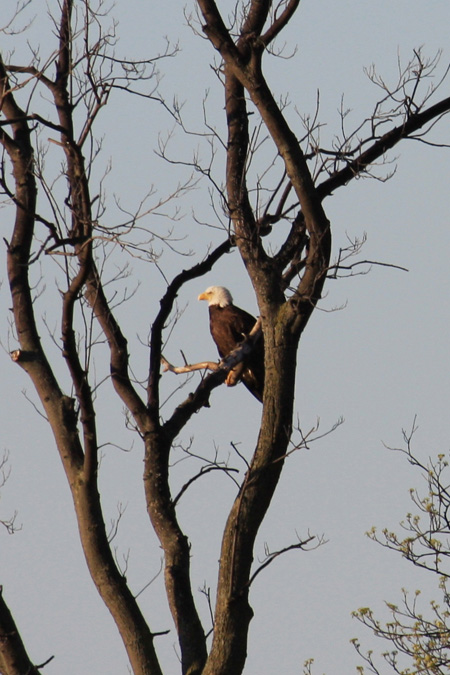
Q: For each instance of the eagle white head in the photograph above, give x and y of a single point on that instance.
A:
(217, 295)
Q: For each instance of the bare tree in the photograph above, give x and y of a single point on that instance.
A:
(288, 284)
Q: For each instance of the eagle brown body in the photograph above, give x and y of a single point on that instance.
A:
(229, 326)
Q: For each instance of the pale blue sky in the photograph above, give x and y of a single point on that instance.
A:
(377, 362)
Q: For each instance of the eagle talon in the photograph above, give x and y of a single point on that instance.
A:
(231, 379)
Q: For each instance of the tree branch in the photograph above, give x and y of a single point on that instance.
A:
(200, 398)
(166, 304)
(301, 545)
(188, 368)
(354, 168)
(280, 22)
(13, 655)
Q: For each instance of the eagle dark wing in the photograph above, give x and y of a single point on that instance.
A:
(229, 326)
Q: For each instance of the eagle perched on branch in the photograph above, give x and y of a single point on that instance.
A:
(229, 327)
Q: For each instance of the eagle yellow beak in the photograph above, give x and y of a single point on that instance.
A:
(203, 296)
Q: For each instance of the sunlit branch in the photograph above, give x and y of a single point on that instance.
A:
(188, 368)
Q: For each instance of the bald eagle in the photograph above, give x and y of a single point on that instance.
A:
(229, 326)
